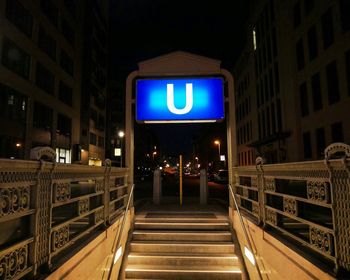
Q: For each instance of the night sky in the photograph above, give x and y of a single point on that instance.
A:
(143, 29)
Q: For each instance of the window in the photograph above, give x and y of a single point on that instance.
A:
(279, 115)
(93, 139)
(332, 83)
(268, 47)
(272, 91)
(307, 145)
(67, 63)
(68, 32)
(273, 118)
(320, 142)
(268, 123)
(19, 16)
(15, 59)
(344, 6)
(45, 79)
(46, 43)
(42, 116)
(347, 65)
(304, 104)
(254, 39)
(8, 148)
(259, 126)
(316, 92)
(64, 125)
(63, 155)
(300, 54)
(263, 124)
(337, 132)
(308, 5)
(50, 10)
(266, 89)
(13, 105)
(93, 116)
(327, 28)
(297, 14)
(277, 78)
(312, 41)
(101, 141)
(101, 123)
(100, 101)
(274, 42)
(272, 10)
(65, 93)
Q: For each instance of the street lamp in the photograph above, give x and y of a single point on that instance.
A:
(121, 135)
(217, 142)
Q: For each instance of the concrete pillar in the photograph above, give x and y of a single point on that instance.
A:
(203, 187)
(157, 186)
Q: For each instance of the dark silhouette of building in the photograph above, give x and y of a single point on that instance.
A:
(292, 81)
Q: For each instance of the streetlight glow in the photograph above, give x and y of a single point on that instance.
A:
(121, 134)
(217, 142)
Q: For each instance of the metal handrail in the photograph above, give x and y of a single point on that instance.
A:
(118, 237)
(245, 231)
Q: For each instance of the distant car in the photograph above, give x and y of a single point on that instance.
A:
(221, 176)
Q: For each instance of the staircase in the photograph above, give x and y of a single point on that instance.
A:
(182, 245)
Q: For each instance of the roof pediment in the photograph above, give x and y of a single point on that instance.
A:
(178, 63)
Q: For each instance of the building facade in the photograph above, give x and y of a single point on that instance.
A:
(40, 78)
(94, 82)
(292, 81)
(53, 78)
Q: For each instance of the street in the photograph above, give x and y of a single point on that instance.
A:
(170, 188)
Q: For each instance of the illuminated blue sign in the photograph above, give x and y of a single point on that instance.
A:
(180, 100)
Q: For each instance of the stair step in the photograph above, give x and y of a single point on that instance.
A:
(192, 225)
(180, 273)
(181, 220)
(182, 235)
(169, 214)
(182, 247)
(182, 260)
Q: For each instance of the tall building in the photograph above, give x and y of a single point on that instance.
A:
(40, 81)
(53, 78)
(293, 80)
(94, 81)
(115, 122)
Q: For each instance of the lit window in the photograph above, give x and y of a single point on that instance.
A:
(63, 155)
(254, 38)
(11, 100)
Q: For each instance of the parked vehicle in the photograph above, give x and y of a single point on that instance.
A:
(221, 176)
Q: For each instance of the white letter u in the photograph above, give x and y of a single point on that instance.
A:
(170, 99)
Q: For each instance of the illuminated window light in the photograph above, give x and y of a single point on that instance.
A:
(118, 254)
(249, 255)
(254, 38)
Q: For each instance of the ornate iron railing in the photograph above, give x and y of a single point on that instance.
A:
(48, 209)
(307, 203)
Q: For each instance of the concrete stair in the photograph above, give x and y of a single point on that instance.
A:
(176, 245)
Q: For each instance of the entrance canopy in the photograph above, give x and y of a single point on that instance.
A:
(179, 87)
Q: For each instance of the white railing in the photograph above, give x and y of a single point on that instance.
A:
(48, 210)
(307, 203)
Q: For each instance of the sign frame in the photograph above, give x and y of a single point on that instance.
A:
(195, 78)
